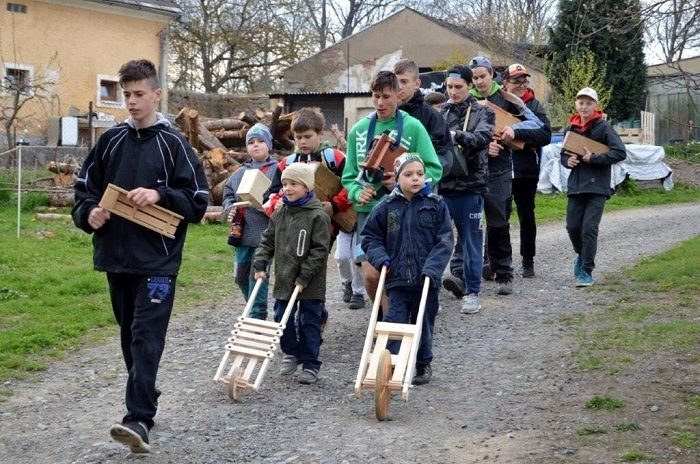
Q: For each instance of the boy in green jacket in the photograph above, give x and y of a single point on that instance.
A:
(364, 192)
(299, 239)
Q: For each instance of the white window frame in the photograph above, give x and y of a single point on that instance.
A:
(19, 67)
(119, 103)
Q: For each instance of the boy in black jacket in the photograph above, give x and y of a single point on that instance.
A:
(589, 182)
(412, 102)
(151, 160)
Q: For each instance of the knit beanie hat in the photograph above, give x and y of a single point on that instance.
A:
(403, 160)
(301, 172)
(259, 131)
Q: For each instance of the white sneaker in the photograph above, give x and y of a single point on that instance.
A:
(470, 304)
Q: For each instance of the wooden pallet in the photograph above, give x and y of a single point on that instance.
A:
(153, 217)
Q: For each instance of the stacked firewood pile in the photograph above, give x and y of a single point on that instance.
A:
(220, 143)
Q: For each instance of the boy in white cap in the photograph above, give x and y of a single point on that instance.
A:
(298, 239)
(588, 187)
(410, 232)
(254, 222)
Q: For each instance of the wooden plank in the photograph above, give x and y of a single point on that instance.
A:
(575, 143)
(249, 351)
(243, 327)
(144, 219)
(379, 346)
(401, 365)
(249, 370)
(251, 321)
(503, 119)
(395, 328)
(256, 336)
(242, 341)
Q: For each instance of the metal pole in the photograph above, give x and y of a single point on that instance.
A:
(19, 185)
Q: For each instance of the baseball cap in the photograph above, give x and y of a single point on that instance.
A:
(588, 92)
(480, 62)
(515, 70)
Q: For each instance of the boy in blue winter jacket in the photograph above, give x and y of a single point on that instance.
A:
(151, 160)
(410, 232)
(258, 145)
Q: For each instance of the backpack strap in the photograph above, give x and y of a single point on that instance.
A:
(329, 156)
(373, 125)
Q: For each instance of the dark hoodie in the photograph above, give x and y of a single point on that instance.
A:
(594, 177)
(526, 162)
(472, 145)
(435, 126)
(156, 157)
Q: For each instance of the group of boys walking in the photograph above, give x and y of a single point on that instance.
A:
(453, 172)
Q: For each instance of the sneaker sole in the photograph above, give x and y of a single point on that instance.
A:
(581, 285)
(470, 311)
(128, 437)
(453, 287)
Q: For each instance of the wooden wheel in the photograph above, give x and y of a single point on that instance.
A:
(382, 394)
(236, 384)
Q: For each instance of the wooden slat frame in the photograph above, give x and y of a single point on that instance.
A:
(153, 217)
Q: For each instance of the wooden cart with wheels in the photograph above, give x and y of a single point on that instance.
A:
(250, 348)
(379, 369)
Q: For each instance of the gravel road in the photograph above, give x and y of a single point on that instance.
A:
(503, 389)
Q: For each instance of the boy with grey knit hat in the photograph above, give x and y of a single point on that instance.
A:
(253, 222)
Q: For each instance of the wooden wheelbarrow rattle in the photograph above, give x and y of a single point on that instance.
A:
(251, 347)
(377, 362)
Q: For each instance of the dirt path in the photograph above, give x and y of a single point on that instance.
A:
(503, 390)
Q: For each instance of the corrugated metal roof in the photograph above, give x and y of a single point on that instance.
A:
(685, 66)
(350, 94)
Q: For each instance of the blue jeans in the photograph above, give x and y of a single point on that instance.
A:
(403, 308)
(302, 335)
(244, 277)
(467, 212)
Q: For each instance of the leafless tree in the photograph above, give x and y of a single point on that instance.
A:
(20, 87)
(236, 45)
(675, 26)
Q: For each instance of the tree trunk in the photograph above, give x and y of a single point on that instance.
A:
(226, 124)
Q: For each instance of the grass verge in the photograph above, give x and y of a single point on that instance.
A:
(51, 300)
(643, 352)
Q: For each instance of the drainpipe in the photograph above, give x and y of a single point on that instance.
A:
(163, 72)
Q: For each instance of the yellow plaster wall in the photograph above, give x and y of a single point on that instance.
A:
(82, 43)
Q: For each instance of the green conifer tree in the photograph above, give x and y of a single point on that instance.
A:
(613, 31)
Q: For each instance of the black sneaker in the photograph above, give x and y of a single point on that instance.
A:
(357, 301)
(454, 284)
(347, 292)
(132, 434)
(423, 375)
(528, 269)
(504, 288)
(486, 272)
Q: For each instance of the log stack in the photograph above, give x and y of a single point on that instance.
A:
(220, 143)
